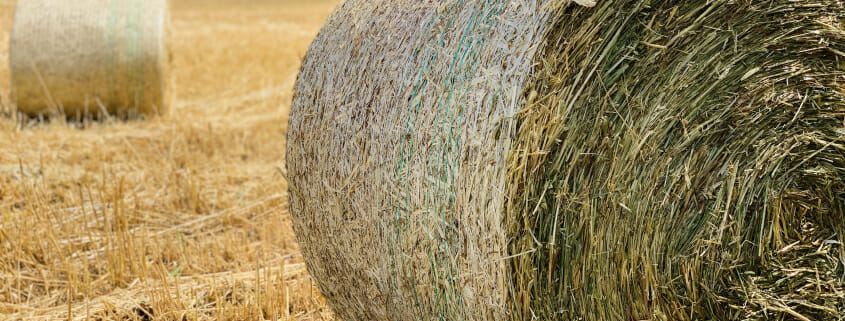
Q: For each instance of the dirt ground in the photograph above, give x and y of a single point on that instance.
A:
(179, 217)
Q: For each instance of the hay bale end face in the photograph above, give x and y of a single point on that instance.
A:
(89, 57)
(543, 160)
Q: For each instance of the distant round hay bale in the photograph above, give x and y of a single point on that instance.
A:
(537, 160)
(89, 57)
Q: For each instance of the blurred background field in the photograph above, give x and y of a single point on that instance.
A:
(180, 217)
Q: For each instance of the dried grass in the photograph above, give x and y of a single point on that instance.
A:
(684, 160)
(638, 160)
(88, 58)
(182, 217)
(396, 172)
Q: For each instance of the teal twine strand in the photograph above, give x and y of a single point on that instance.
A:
(135, 69)
(443, 163)
(111, 40)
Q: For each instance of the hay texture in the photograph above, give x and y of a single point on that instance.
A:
(89, 57)
(546, 160)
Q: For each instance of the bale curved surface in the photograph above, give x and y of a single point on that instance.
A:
(87, 57)
(521, 160)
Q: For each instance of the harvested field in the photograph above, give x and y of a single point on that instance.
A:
(181, 217)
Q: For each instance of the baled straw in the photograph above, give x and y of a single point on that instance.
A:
(89, 57)
(536, 160)
(684, 160)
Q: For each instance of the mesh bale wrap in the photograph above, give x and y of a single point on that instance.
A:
(86, 57)
(521, 160)
(401, 67)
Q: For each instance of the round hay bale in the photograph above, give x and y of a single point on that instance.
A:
(540, 160)
(89, 57)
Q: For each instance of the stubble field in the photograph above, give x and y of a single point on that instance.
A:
(179, 217)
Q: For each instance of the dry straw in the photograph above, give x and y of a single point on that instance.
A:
(89, 57)
(539, 160)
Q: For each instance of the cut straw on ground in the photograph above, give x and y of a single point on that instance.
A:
(180, 217)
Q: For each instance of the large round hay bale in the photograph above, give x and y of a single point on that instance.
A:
(539, 160)
(89, 57)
